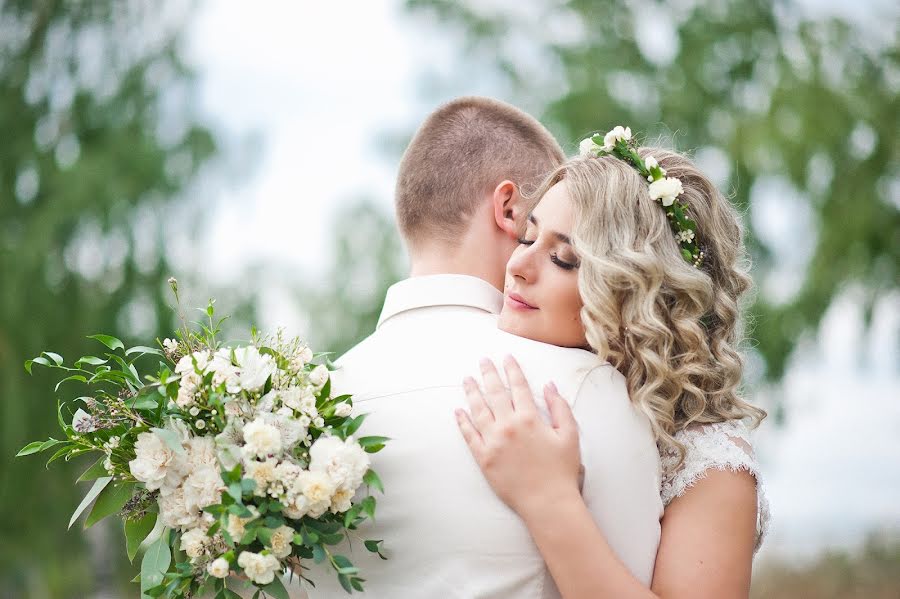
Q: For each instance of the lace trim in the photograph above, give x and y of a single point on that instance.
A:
(717, 446)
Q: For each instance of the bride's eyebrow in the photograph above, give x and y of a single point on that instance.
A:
(560, 236)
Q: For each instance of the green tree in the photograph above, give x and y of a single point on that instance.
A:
(97, 138)
(802, 111)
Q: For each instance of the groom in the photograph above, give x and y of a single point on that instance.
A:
(445, 532)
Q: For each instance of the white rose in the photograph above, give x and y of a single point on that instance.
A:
(666, 190)
(280, 543)
(306, 355)
(83, 422)
(261, 439)
(259, 568)
(194, 543)
(587, 147)
(618, 133)
(650, 162)
(345, 462)
(153, 458)
(342, 410)
(218, 568)
(319, 375)
(255, 369)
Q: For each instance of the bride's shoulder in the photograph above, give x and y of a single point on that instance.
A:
(711, 446)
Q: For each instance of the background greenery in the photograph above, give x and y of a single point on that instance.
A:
(102, 150)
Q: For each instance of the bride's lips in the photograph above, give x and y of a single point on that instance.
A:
(517, 302)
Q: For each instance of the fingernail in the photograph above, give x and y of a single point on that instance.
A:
(508, 358)
(552, 387)
(485, 363)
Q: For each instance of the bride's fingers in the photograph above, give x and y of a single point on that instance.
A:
(497, 396)
(473, 438)
(560, 412)
(482, 417)
(522, 399)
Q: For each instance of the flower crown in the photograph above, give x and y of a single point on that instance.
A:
(619, 143)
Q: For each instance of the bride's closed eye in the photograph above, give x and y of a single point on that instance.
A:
(554, 257)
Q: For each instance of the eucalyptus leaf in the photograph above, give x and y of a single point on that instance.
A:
(110, 501)
(136, 531)
(99, 485)
(155, 563)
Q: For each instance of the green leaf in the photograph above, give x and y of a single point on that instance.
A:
(143, 350)
(33, 447)
(276, 589)
(353, 424)
(373, 444)
(92, 360)
(94, 472)
(345, 582)
(99, 485)
(155, 563)
(55, 357)
(38, 360)
(74, 377)
(109, 341)
(171, 439)
(687, 255)
(318, 554)
(62, 451)
(136, 531)
(372, 545)
(110, 501)
(371, 479)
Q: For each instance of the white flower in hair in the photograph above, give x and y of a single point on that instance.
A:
(650, 162)
(686, 235)
(618, 133)
(666, 190)
(588, 147)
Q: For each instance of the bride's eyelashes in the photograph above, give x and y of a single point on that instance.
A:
(553, 256)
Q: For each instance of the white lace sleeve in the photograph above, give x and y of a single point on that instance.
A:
(719, 446)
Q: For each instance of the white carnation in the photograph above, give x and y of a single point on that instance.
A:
(264, 473)
(236, 525)
(318, 376)
(342, 410)
(261, 439)
(340, 501)
(317, 488)
(280, 543)
(218, 568)
(618, 133)
(153, 459)
(345, 462)
(194, 543)
(173, 511)
(258, 567)
(666, 190)
(202, 487)
(255, 368)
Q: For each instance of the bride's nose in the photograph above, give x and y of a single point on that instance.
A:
(521, 264)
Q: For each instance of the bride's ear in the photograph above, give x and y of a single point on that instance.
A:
(507, 204)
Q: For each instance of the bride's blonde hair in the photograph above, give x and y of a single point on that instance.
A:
(670, 328)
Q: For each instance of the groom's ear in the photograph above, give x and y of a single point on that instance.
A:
(507, 203)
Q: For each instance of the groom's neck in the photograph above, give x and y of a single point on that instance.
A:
(456, 262)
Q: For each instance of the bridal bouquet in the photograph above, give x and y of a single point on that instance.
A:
(227, 461)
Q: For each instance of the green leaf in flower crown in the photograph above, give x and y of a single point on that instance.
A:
(155, 563)
(136, 531)
(687, 255)
(110, 501)
(99, 485)
(109, 341)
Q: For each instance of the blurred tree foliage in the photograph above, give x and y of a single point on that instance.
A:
(96, 137)
(797, 118)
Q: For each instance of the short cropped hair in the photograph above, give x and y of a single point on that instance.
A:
(462, 151)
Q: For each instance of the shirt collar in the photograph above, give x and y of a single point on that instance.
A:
(440, 290)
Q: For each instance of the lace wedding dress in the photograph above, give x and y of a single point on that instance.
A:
(718, 446)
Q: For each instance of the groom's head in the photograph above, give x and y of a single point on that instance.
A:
(457, 195)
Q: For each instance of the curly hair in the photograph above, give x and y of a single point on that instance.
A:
(670, 328)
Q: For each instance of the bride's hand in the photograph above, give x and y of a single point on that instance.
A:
(530, 464)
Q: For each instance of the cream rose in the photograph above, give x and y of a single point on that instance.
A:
(280, 543)
(218, 568)
(258, 567)
(666, 190)
(194, 543)
(152, 461)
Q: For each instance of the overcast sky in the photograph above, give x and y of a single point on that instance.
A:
(308, 90)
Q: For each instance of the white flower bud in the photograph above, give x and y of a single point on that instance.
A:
(218, 568)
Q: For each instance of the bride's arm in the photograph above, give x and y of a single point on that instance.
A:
(708, 533)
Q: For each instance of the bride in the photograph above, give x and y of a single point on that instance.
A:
(632, 253)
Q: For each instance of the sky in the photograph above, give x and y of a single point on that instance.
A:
(273, 75)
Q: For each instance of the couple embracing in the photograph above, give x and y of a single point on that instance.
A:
(559, 375)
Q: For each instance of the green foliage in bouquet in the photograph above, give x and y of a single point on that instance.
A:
(229, 461)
